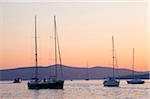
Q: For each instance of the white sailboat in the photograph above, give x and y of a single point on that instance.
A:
(112, 82)
(134, 80)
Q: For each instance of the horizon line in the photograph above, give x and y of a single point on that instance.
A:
(70, 67)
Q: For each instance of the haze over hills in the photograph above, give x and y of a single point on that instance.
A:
(69, 73)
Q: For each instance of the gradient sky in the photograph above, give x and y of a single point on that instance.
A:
(84, 29)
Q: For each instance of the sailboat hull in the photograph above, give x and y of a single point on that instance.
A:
(111, 83)
(46, 85)
(135, 81)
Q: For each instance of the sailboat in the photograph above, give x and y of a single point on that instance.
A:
(49, 83)
(35, 83)
(87, 71)
(56, 83)
(112, 82)
(134, 80)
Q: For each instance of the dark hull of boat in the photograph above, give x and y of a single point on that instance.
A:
(131, 82)
(57, 85)
(111, 84)
(116, 85)
(17, 81)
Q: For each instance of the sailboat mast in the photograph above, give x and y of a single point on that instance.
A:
(87, 70)
(55, 40)
(117, 63)
(59, 52)
(133, 63)
(36, 55)
(113, 57)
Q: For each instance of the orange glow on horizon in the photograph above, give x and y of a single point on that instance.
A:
(84, 34)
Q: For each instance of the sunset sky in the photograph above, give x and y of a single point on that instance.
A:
(84, 28)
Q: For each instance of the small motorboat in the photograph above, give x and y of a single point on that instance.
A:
(17, 80)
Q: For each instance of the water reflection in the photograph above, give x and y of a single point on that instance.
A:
(77, 90)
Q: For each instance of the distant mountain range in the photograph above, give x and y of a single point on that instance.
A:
(69, 73)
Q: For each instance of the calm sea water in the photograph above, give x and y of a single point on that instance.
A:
(92, 89)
